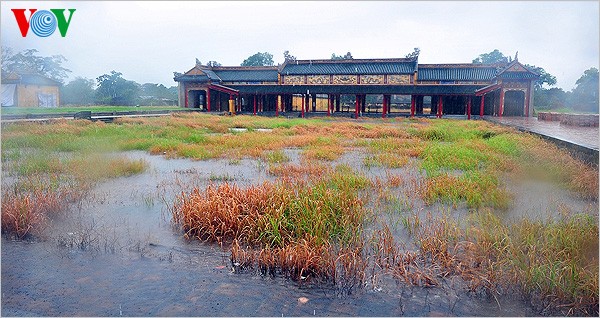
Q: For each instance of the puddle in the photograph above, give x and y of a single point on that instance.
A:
(135, 264)
(246, 129)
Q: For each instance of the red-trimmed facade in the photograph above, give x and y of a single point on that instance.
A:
(450, 89)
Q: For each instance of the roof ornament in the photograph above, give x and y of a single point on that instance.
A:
(517, 56)
(198, 63)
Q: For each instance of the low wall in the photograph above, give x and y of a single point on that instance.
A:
(586, 120)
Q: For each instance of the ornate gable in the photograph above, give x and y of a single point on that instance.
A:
(195, 71)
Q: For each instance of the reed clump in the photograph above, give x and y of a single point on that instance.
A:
(553, 263)
(302, 229)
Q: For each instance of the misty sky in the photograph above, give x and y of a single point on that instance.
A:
(147, 41)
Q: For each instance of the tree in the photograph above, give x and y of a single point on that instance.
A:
(213, 64)
(7, 54)
(259, 59)
(490, 58)
(157, 94)
(545, 77)
(547, 99)
(27, 61)
(585, 94)
(79, 91)
(414, 54)
(113, 89)
(288, 57)
(348, 56)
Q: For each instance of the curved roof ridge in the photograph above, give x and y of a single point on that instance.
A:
(459, 65)
(377, 60)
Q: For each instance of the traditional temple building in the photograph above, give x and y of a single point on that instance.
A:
(362, 87)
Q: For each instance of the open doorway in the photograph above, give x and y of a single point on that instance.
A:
(514, 103)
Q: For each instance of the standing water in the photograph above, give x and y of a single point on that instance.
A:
(117, 254)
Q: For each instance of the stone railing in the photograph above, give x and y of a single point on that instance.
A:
(587, 120)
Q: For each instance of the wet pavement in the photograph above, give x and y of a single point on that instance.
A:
(583, 136)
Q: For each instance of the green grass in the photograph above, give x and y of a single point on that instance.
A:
(74, 109)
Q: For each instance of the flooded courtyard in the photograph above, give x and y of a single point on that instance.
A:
(118, 254)
(117, 251)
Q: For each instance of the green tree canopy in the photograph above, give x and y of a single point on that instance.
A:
(259, 59)
(494, 56)
(585, 94)
(553, 98)
(113, 89)
(545, 77)
(79, 91)
(348, 56)
(28, 61)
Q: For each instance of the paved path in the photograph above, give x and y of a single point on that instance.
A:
(584, 136)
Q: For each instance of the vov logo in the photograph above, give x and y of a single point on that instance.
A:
(43, 22)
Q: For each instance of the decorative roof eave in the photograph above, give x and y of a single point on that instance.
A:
(224, 89)
(359, 89)
(518, 75)
(487, 89)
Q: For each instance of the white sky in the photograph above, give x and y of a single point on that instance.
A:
(147, 41)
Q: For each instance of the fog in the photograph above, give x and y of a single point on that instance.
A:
(148, 41)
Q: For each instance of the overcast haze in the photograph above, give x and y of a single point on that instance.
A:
(148, 41)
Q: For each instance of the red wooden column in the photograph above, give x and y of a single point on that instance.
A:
(303, 103)
(254, 105)
(186, 97)
(412, 105)
(384, 110)
(501, 103)
(439, 108)
(276, 105)
(329, 105)
(481, 106)
(208, 99)
(469, 108)
(357, 105)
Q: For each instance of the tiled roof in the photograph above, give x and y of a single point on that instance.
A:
(455, 73)
(211, 75)
(350, 67)
(191, 78)
(247, 75)
(28, 79)
(517, 75)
